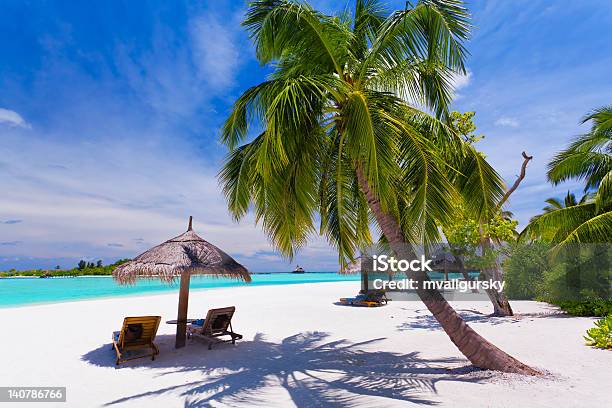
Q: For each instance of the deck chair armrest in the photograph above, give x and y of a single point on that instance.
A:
(117, 349)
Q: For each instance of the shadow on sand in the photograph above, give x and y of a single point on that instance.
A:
(312, 369)
(425, 320)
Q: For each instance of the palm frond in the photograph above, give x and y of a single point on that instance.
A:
(559, 224)
(247, 108)
(572, 164)
(555, 204)
(427, 195)
(597, 229)
(280, 28)
(360, 137)
(423, 45)
(603, 196)
(369, 16)
(602, 120)
(589, 156)
(479, 184)
(237, 176)
(285, 203)
(342, 218)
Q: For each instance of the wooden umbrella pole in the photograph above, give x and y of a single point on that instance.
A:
(364, 282)
(181, 324)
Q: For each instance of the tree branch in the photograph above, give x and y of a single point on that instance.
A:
(516, 183)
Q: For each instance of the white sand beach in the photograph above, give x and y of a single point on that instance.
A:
(300, 349)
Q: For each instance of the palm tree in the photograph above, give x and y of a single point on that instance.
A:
(344, 146)
(588, 158)
(569, 200)
(554, 204)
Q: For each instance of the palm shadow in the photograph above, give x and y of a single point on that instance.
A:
(425, 320)
(313, 370)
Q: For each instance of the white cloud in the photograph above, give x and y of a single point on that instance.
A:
(118, 179)
(215, 50)
(507, 122)
(163, 77)
(12, 118)
(459, 81)
(115, 198)
(183, 80)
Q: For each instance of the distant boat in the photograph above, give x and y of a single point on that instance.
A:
(45, 276)
(299, 269)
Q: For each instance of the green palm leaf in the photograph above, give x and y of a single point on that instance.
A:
(369, 16)
(559, 223)
(279, 27)
(323, 120)
(589, 157)
(479, 184)
(596, 229)
(603, 197)
(422, 47)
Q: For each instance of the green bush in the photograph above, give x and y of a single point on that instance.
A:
(593, 307)
(87, 270)
(524, 270)
(577, 278)
(601, 335)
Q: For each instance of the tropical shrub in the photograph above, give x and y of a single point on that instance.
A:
(524, 270)
(576, 278)
(91, 269)
(601, 335)
(593, 307)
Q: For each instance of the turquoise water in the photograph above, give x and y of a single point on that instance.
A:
(24, 291)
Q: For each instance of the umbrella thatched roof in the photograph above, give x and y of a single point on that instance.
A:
(445, 261)
(187, 252)
(352, 268)
(362, 263)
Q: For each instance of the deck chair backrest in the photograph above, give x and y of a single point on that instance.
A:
(375, 296)
(218, 320)
(138, 330)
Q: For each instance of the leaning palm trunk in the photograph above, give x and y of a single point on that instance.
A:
(478, 350)
(337, 98)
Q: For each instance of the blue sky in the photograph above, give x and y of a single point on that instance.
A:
(109, 117)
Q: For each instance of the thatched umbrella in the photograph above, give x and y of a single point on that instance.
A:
(186, 255)
(445, 262)
(362, 264)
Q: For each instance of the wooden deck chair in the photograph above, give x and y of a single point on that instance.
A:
(136, 333)
(218, 323)
(377, 296)
(372, 298)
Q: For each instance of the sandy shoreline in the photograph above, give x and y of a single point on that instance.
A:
(301, 349)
